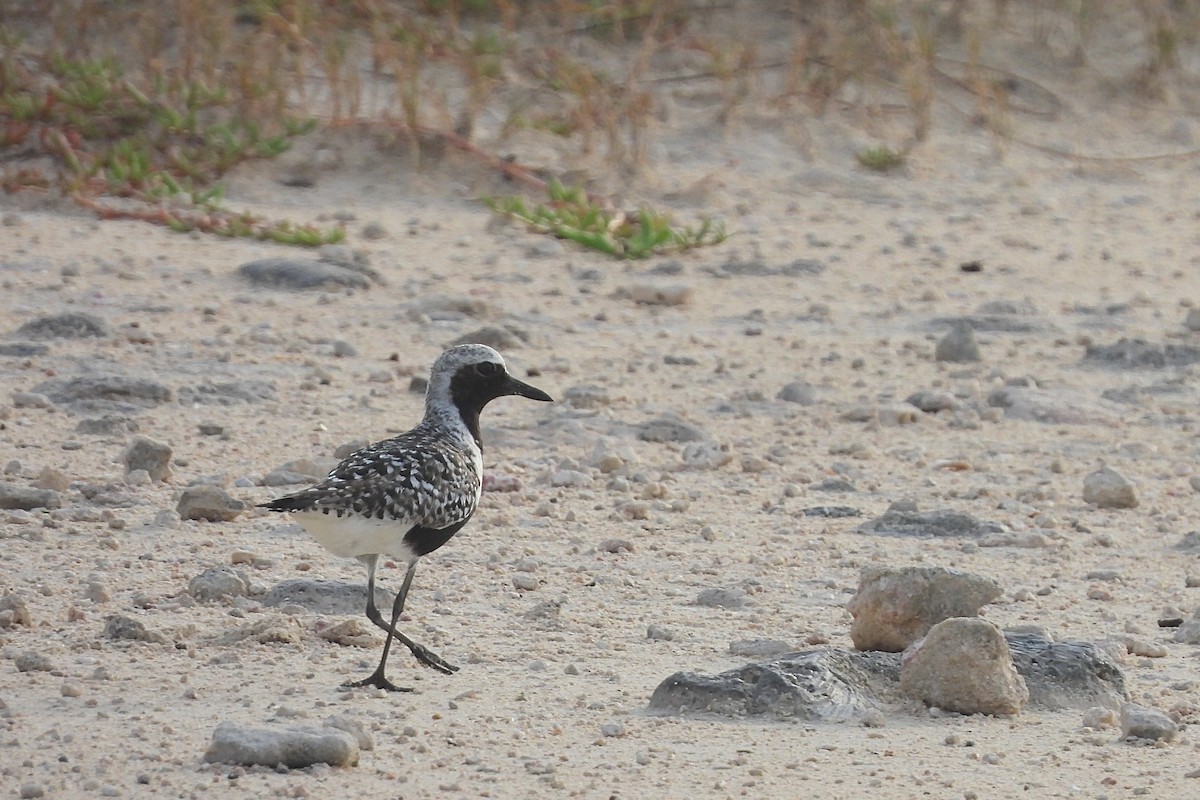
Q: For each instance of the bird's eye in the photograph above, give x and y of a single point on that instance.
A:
(487, 369)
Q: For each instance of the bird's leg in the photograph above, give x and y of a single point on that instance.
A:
(422, 653)
(377, 678)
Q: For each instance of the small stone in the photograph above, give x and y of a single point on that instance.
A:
(525, 582)
(964, 665)
(893, 608)
(1140, 722)
(14, 611)
(208, 502)
(759, 648)
(29, 791)
(721, 598)
(121, 627)
(350, 633)
(612, 729)
(70, 325)
(1098, 718)
(659, 633)
(650, 294)
(1192, 320)
(615, 546)
(301, 273)
(145, 453)
(210, 429)
(1107, 488)
(32, 661)
(16, 496)
(799, 392)
(53, 479)
(958, 345)
(294, 748)
(218, 583)
(668, 429)
(71, 689)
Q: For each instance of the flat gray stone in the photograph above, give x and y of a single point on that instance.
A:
(218, 583)
(301, 273)
(27, 498)
(294, 748)
(1137, 353)
(69, 325)
(667, 429)
(818, 685)
(327, 597)
(209, 503)
(938, 523)
(105, 393)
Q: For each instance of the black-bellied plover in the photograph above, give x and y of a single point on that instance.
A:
(406, 496)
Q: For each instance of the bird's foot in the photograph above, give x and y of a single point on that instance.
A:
(432, 659)
(377, 680)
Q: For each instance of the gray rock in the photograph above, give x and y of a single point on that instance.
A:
(1140, 722)
(121, 627)
(895, 607)
(508, 337)
(352, 726)
(832, 512)
(31, 791)
(1019, 308)
(326, 597)
(658, 294)
(994, 323)
(932, 401)
(1063, 675)
(964, 665)
(1137, 353)
(834, 485)
(227, 393)
(817, 685)
(23, 349)
(587, 395)
(208, 502)
(32, 661)
(218, 583)
(1052, 407)
(31, 400)
(14, 611)
(939, 523)
(759, 648)
(108, 425)
(27, 498)
(145, 453)
(799, 392)
(1107, 488)
(754, 267)
(105, 393)
(721, 598)
(294, 748)
(659, 633)
(70, 325)
(668, 429)
(958, 345)
(1192, 320)
(301, 273)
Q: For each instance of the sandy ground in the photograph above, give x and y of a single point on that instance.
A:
(1100, 250)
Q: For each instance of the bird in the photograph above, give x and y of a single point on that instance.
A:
(407, 496)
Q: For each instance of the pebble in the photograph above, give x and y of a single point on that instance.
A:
(895, 607)
(29, 791)
(1192, 320)
(759, 648)
(301, 273)
(69, 325)
(147, 454)
(1137, 353)
(107, 392)
(1098, 718)
(1107, 488)
(964, 665)
(654, 294)
(524, 581)
(659, 634)
(219, 583)
(119, 626)
(799, 392)
(958, 345)
(668, 429)
(107, 425)
(17, 496)
(31, 400)
(1140, 722)
(615, 546)
(210, 503)
(53, 479)
(294, 748)
(932, 401)
(721, 598)
(32, 661)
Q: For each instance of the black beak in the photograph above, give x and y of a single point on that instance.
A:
(514, 386)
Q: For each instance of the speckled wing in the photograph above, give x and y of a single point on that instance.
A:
(419, 478)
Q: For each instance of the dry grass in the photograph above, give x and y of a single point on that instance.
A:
(154, 102)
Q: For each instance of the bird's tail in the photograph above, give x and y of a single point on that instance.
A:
(292, 502)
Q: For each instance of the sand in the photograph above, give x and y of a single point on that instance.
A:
(553, 703)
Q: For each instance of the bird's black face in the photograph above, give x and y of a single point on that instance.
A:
(475, 385)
